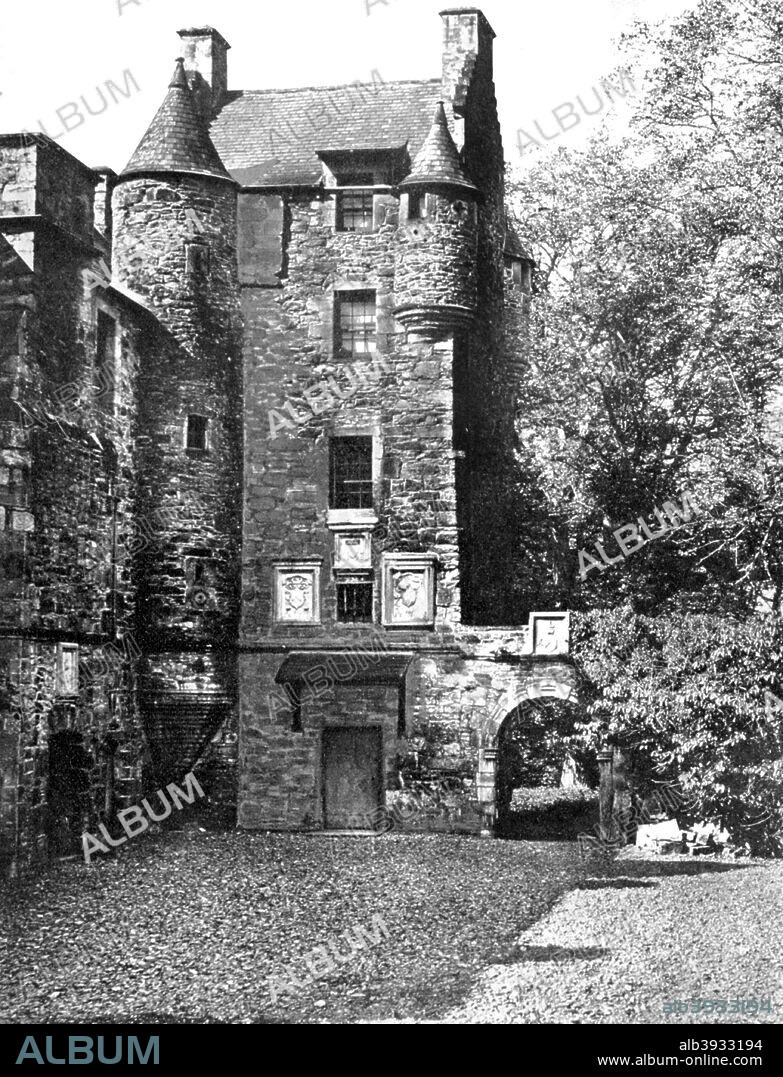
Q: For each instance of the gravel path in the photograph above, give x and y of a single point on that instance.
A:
(190, 927)
(616, 950)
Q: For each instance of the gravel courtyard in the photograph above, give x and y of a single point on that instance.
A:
(189, 927)
(617, 949)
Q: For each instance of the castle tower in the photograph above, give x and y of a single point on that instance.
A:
(175, 224)
(437, 239)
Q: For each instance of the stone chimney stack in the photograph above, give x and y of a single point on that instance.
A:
(467, 53)
(206, 65)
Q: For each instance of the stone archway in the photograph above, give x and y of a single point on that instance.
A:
(544, 687)
(532, 756)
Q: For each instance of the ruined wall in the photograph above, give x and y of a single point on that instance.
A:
(67, 492)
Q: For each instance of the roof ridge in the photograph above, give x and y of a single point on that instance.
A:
(342, 86)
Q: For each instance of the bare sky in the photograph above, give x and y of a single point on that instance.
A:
(54, 51)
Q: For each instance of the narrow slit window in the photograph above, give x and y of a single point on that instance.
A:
(196, 433)
(105, 355)
(197, 260)
(355, 324)
(351, 473)
(67, 682)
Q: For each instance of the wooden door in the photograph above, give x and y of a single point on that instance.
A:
(352, 777)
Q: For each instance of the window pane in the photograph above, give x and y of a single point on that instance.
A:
(356, 211)
(351, 473)
(356, 322)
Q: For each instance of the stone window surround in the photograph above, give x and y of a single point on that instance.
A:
(340, 293)
(67, 671)
(197, 265)
(207, 432)
(358, 519)
(304, 567)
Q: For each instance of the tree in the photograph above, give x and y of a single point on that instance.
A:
(693, 699)
(656, 343)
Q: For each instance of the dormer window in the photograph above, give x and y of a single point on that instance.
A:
(356, 205)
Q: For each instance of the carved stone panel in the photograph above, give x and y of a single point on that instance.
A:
(550, 633)
(409, 590)
(297, 593)
(352, 550)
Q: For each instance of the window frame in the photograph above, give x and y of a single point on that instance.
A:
(337, 489)
(355, 297)
(366, 214)
(360, 581)
(67, 676)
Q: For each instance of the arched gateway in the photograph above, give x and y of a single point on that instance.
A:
(555, 682)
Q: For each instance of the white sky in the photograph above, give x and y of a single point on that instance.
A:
(53, 51)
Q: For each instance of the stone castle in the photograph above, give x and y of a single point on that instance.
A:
(257, 509)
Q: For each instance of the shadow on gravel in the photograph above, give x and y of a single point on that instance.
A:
(525, 954)
(643, 869)
(621, 883)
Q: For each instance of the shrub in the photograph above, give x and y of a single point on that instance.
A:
(687, 697)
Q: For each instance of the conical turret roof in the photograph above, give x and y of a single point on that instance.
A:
(438, 160)
(177, 140)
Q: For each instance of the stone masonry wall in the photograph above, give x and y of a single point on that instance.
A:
(403, 396)
(67, 490)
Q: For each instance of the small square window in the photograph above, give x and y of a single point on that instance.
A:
(196, 260)
(355, 324)
(355, 599)
(196, 433)
(350, 473)
(67, 676)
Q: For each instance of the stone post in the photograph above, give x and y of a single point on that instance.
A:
(606, 788)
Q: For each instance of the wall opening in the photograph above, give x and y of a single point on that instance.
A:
(546, 787)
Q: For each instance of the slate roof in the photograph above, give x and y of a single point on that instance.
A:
(438, 159)
(272, 137)
(177, 139)
(514, 245)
